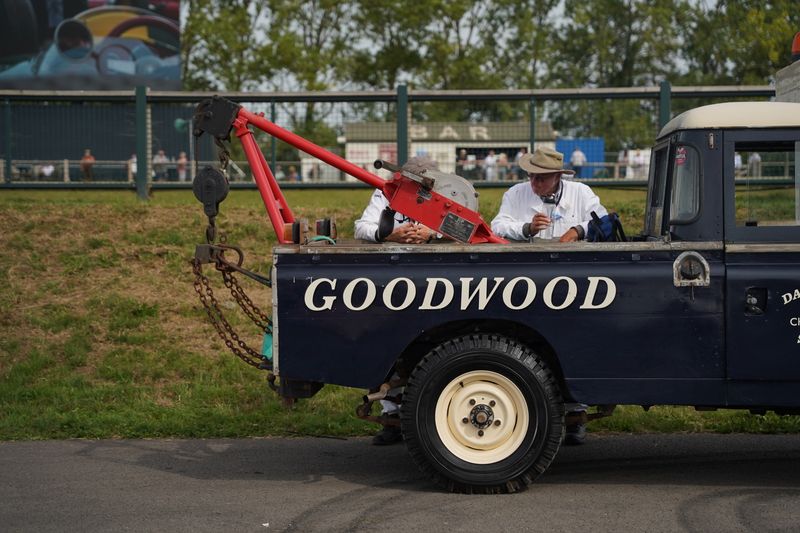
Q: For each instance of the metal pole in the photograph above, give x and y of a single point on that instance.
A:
(532, 114)
(402, 124)
(141, 143)
(664, 104)
(7, 134)
(192, 165)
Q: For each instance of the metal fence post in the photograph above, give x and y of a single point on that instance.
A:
(532, 114)
(7, 135)
(142, 151)
(664, 104)
(402, 124)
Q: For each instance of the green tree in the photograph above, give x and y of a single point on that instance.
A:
(739, 41)
(529, 41)
(390, 40)
(614, 43)
(221, 45)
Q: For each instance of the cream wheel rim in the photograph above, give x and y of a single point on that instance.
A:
(482, 417)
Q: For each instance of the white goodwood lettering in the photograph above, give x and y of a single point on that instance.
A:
(430, 291)
(327, 301)
(347, 295)
(518, 293)
(530, 293)
(611, 293)
(572, 292)
(388, 292)
(480, 290)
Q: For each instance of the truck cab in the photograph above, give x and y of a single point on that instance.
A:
(727, 174)
(702, 309)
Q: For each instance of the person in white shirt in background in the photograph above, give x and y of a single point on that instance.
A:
(490, 166)
(577, 160)
(549, 207)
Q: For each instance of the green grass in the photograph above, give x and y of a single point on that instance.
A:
(102, 335)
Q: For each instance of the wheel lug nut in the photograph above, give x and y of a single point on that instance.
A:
(496, 422)
(492, 403)
(480, 433)
(472, 401)
(465, 420)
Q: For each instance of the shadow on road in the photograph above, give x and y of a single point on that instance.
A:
(720, 460)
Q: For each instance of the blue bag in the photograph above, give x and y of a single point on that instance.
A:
(605, 229)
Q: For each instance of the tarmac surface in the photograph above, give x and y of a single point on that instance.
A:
(695, 483)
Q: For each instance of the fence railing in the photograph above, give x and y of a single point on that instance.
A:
(44, 134)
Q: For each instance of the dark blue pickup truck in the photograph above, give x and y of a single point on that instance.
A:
(490, 341)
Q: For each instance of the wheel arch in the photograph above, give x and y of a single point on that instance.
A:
(518, 331)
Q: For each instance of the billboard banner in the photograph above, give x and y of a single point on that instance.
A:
(89, 44)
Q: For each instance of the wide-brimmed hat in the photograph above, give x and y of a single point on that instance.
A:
(544, 161)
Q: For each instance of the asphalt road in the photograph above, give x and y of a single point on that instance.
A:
(613, 483)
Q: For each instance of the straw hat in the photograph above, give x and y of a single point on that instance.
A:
(544, 161)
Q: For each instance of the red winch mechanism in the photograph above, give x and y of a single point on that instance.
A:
(417, 196)
(443, 202)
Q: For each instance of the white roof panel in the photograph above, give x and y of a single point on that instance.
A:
(737, 115)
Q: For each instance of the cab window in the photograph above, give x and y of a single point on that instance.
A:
(685, 200)
(767, 184)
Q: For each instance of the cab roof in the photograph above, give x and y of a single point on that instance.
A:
(736, 115)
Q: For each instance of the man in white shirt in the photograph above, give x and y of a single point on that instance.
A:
(547, 207)
(405, 230)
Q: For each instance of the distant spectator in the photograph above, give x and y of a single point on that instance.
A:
(490, 166)
(754, 165)
(515, 168)
(314, 173)
(279, 175)
(738, 169)
(502, 166)
(292, 175)
(181, 164)
(160, 165)
(622, 164)
(577, 160)
(638, 162)
(47, 170)
(87, 165)
(461, 160)
(133, 168)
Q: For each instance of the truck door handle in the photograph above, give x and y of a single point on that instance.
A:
(755, 301)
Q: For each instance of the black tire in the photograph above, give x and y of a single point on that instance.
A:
(505, 379)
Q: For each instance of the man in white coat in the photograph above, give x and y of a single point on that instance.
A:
(548, 208)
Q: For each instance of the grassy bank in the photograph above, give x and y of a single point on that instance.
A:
(101, 333)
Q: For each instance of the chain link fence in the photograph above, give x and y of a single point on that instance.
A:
(90, 139)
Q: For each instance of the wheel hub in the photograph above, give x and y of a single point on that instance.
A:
(481, 416)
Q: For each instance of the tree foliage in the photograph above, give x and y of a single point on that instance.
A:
(291, 45)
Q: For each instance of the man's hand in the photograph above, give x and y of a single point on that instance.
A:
(570, 236)
(410, 234)
(539, 222)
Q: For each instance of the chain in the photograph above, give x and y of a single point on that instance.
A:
(244, 301)
(225, 331)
